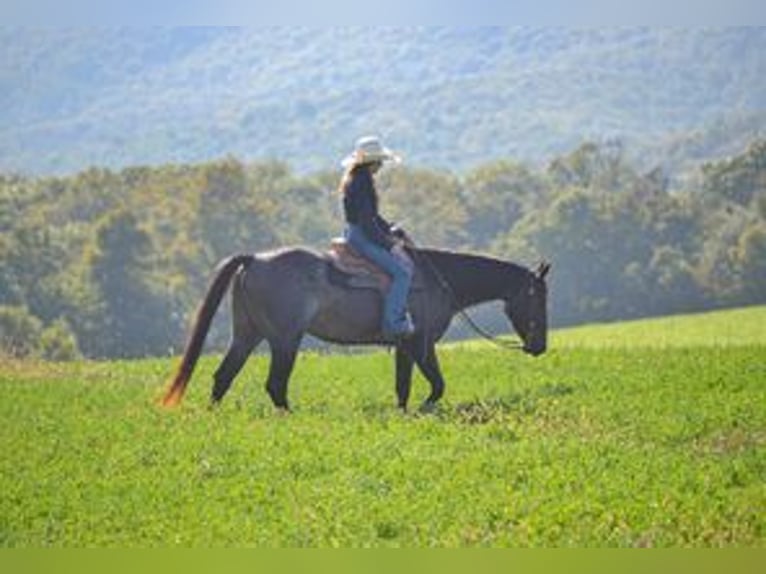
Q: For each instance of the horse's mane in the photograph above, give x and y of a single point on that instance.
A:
(447, 258)
(472, 276)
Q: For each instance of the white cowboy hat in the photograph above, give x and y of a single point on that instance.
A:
(367, 150)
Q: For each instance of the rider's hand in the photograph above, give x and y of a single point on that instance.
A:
(398, 248)
(401, 234)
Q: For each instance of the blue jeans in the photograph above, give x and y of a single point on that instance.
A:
(394, 308)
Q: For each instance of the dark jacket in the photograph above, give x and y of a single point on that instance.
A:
(360, 205)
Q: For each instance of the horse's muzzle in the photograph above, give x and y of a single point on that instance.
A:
(534, 350)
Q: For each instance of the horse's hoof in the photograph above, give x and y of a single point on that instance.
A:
(427, 408)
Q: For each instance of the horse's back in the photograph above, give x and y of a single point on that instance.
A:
(292, 290)
(291, 256)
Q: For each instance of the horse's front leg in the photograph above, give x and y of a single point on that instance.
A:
(404, 364)
(428, 364)
(423, 354)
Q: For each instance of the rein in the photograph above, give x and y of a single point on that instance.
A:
(483, 333)
(501, 343)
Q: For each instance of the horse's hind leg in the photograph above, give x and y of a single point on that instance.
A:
(244, 338)
(282, 361)
(238, 352)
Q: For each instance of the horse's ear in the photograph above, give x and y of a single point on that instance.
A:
(542, 269)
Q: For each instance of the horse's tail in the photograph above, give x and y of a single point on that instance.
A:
(218, 286)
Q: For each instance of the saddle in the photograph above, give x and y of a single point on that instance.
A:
(361, 273)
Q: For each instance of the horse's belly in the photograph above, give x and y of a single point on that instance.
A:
(352, 318)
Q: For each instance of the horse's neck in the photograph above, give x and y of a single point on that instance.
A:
(475, 279)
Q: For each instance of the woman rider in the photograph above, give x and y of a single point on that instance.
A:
(371, 235)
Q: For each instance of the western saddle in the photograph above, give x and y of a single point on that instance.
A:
(363, 273)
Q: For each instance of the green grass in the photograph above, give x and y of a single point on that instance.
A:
(610, 439)
(734, 327)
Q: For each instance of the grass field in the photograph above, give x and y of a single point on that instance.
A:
(650, 433)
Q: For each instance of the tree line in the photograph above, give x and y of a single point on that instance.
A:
(109, 263)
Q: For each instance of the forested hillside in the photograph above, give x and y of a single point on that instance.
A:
(132, 160)
(111, 263)
(450, 98)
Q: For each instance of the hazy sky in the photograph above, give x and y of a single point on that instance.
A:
(328, 12)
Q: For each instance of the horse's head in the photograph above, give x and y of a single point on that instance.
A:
(527, 311)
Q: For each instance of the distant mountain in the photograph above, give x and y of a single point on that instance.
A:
(445, 97)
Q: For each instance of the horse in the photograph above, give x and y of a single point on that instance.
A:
(279, 296)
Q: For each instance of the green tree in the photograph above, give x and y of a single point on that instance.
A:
(718, 269)
(671, 280)
(231, 216)
(751, 256)
(426, 203)
(615, 254)
(19, 331)
(58, 342)
(592, 165)
(740, 178)
(497, 196)
(137, 318)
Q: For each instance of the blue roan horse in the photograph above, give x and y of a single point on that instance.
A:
(281, 295)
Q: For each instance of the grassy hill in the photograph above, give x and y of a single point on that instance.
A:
(744, 326)
(726, 328)
(633, 446)
(448, 97)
